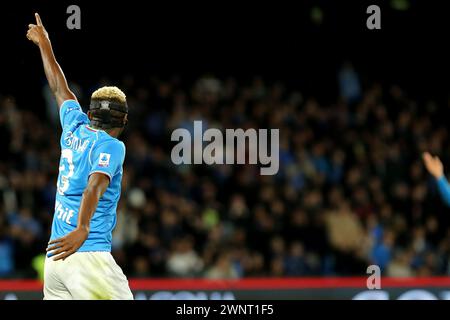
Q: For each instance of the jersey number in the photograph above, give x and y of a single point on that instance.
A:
(66, 169)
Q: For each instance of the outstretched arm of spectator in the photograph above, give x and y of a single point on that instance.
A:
(444, 189)
(436, 169)
(55, 76)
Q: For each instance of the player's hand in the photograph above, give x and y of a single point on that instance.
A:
(433, 165)
(36, 32)
(67, 245)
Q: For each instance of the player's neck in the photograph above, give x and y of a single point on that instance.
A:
(114, 132)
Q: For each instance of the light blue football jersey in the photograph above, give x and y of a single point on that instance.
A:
(85, 150)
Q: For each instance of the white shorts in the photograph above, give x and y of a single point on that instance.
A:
(85, 276)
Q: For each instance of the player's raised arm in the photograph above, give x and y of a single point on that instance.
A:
(55, 76)
(436, 169)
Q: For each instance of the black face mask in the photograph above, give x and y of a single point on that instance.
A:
(102, 117)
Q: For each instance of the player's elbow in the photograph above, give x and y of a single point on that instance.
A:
(93, 191)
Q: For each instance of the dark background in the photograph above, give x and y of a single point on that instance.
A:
(279, 42)
(275, 40)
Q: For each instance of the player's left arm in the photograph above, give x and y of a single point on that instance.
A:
(69, 244)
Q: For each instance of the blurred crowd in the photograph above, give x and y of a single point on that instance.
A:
(351, 190)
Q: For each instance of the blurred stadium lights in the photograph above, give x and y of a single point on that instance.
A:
(400, 5)
(317, 15)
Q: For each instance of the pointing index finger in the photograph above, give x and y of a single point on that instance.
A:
(38, 19)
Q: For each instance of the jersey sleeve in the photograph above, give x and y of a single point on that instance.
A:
(70, 111)
(107, 158)
(444, 189)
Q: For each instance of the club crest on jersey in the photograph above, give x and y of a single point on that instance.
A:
(103, 161)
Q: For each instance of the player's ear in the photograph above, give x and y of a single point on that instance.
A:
(125, 120)
(89, 115)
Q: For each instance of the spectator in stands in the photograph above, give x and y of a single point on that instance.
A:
(183, 261)
(351, 190)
